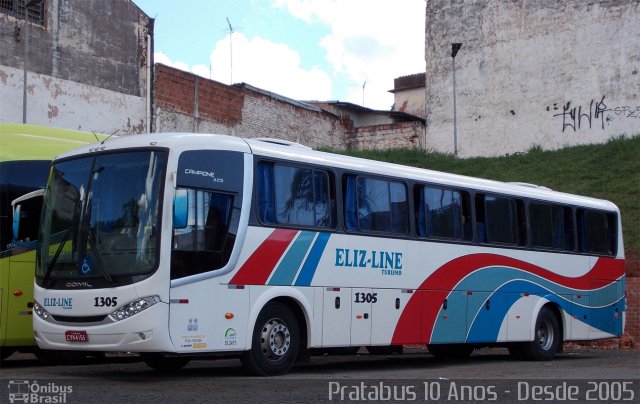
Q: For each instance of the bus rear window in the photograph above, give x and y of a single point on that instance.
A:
(596, 232)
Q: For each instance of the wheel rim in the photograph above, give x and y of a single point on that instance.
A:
(275, 339)
(545, 335)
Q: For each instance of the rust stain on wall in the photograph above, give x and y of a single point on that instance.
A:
(53, 111)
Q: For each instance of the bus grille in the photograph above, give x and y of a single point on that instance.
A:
(85, 319)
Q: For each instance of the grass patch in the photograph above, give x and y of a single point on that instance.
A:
(608, 171)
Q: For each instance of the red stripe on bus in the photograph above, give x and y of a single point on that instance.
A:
(450, 274)
(256, 270)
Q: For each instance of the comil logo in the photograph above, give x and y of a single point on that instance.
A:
(26, 391)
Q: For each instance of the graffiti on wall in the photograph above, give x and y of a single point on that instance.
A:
(595, 115)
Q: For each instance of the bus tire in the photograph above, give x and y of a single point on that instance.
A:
(450, 351)
(275, 342)
(546, 338)
(163, 363)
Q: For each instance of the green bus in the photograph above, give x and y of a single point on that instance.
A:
(26, 152)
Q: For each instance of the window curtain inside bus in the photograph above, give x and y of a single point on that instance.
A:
(351, 207)
(422, 208)
(266, 209)
(398, 207)
(321, 199)
(558, 227)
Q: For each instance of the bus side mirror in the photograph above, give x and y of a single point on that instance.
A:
(16, 223)
(180, 209)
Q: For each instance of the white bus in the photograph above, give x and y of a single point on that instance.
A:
(180, 246)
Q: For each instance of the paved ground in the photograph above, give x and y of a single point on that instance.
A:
(489, 375)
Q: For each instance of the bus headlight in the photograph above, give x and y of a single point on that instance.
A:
(134, 307)
(40, 311)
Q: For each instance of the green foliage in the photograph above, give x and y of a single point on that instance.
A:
(607, 171)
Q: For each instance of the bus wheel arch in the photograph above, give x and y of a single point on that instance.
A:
(275, 340)
(547, 335)
(295, 301)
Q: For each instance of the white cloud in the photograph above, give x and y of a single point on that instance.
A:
(271, 66)
(372, 41)
(161, 57)
(369, 40)
(257, 61)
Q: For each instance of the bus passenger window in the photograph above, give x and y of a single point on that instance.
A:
(551, 226)
(502, 220)
(443, 213)
(376, 205)
(296, 196)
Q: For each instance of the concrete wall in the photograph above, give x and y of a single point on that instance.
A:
(411, 101)
(409, 94)
(531, 72)
(186, 102)
(68, 104)
(88, 61)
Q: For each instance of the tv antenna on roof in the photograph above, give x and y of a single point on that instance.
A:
(230, 49)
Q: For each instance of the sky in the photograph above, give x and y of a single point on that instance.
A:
(338, 50)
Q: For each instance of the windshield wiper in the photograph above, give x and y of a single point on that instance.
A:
(54, 259)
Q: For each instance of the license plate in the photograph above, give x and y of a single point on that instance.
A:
(76, 336)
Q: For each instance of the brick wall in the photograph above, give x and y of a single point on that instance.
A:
(175, 90)
(388, 136)
(238, 110)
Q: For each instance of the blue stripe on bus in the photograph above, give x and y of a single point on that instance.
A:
(487, 323)
(286, 271)
(600, 308)
(311, 264)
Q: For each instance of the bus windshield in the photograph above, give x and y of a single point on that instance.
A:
(100, 222)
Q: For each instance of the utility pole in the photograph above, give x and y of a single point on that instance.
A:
(25, 35)
(455, 47)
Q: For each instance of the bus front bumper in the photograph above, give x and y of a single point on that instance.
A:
(144, 332)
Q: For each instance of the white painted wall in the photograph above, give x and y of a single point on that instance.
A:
(67, 104)
(531, 73)
(410, 101)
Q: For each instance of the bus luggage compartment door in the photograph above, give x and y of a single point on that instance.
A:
(336, 317)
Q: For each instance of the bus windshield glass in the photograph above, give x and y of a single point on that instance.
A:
(100, 223)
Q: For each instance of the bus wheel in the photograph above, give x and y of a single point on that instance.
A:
(275, 341)
(450, 351)
(164, 363)
(546, 338)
